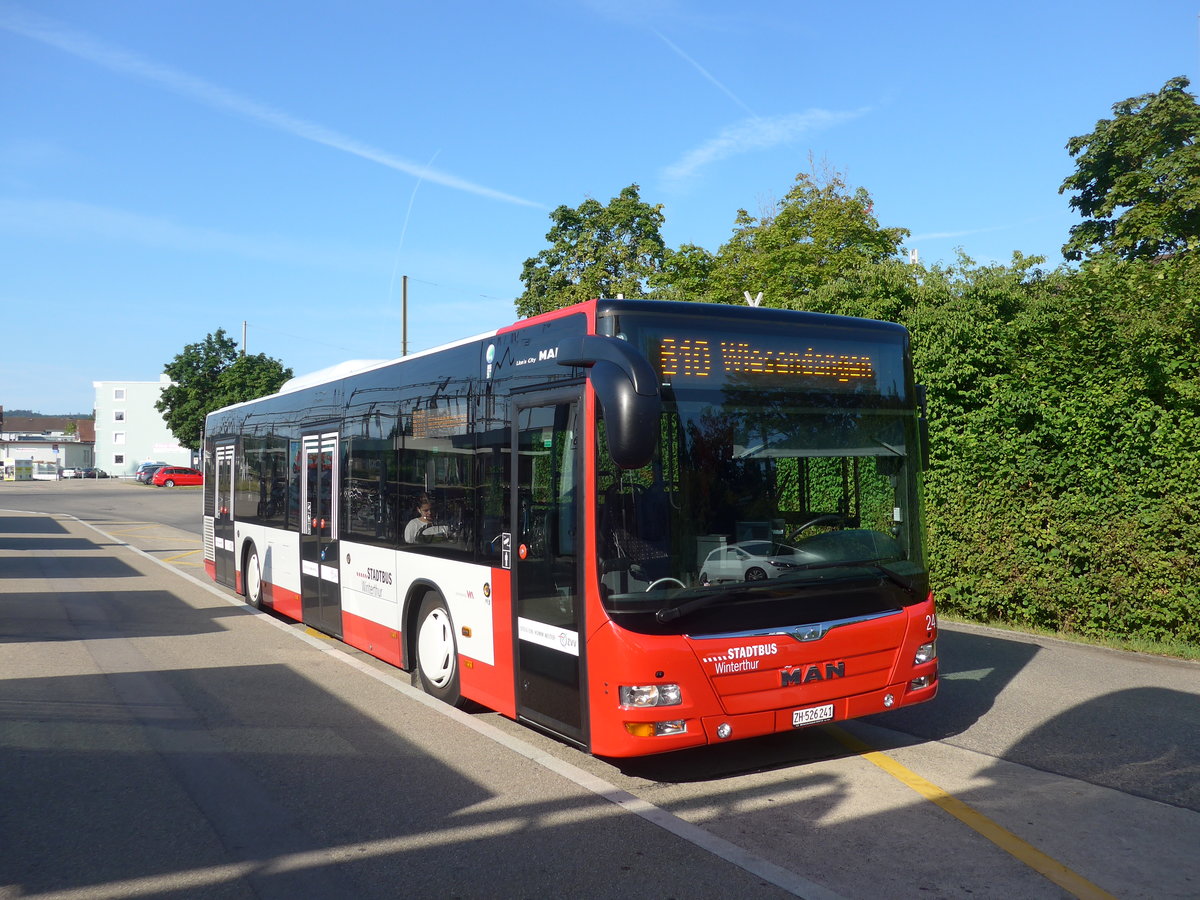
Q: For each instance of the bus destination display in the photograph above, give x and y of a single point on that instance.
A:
(703, 358)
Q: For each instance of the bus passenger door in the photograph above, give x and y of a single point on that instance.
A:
(223, 548)
(547, 455)
(320, 578)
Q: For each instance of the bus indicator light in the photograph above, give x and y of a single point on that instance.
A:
(656, 729)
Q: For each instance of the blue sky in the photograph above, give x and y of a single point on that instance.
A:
(171, 168)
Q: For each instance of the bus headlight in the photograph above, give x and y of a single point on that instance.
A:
(925, 653)
(641, 696)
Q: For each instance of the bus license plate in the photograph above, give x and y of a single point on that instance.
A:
(812, 715)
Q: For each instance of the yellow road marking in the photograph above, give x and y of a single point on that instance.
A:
(179, 556)
(1065, 878)
(133, 527)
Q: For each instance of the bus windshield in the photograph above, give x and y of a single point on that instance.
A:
(779, 493)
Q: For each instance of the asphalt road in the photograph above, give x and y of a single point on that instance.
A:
(158, 739)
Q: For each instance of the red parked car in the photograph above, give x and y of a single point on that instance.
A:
(169, 476)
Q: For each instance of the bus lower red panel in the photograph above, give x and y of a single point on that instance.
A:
(380, 641)
(492, 685)
(285, 602)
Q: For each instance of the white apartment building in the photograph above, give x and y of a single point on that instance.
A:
(129, 430)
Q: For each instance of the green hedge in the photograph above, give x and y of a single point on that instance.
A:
(1064, 489)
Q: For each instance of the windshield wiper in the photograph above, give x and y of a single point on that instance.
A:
(670, 613)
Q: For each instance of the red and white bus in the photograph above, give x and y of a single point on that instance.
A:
(638, 525)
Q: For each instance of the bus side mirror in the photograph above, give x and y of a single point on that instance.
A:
(626, 387)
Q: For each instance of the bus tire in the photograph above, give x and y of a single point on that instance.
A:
(252, 578)
(437, 651)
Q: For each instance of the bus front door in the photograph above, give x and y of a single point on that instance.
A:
(547, 608)
(223, 538)
(320, 578)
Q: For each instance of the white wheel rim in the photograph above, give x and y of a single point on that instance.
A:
(253, 577)
(435, 648)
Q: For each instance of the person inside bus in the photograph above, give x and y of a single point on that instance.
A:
(422, 529)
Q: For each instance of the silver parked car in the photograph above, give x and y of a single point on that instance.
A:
(145, 471)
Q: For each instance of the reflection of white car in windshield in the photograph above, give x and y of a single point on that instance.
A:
(749, 561)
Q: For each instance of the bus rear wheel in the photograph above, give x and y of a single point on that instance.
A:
(252, 579)
(437, 652)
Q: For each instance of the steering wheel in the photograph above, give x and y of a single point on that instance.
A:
(661, 581)
(445, 533)
(622, 487)
(823, 519)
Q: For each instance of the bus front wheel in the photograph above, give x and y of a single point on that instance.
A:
(252, 579)
(437, 653)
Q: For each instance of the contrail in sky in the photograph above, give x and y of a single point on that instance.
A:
(117, 60)
(703, 71)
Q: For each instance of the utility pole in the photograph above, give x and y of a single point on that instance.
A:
(404, 315)
(243, 337)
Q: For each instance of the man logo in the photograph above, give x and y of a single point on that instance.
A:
(794, 675)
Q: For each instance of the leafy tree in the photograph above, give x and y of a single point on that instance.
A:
(816, 233)
(686, 274)
(209, 375)
(1137, 178)
(595, 251)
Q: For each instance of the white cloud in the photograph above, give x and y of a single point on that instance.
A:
(201, 91)
(753, 135)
